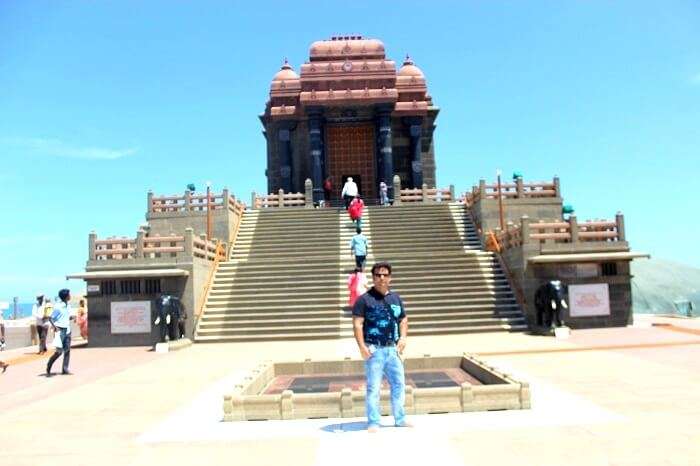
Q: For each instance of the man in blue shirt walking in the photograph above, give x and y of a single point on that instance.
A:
(380, 326)
(60, 321)
(358, 247)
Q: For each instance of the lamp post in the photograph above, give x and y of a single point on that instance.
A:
(208, 210)
(500, 200)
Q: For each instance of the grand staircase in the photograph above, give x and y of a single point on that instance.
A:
(286, 277)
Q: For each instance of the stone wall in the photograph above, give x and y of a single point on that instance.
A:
(486, 212)
(189, 289)
(530, 276)
(166, 223)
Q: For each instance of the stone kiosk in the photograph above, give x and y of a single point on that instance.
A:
(169, 255)
(591, 258)
(349, 113)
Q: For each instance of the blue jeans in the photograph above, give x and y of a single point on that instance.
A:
(384, 362)
(65, 350)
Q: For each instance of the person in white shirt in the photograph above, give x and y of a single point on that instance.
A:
(42, 321)
(60, 321)
(349, 191)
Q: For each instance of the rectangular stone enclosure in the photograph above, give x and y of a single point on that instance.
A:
(434, 385)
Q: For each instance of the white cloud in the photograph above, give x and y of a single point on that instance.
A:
(58, 148)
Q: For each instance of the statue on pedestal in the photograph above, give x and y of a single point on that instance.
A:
(550, 302)
(168, 317)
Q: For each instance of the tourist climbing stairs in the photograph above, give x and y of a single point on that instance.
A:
(286, 278)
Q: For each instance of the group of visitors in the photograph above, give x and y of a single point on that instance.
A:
(43, 309)
(351, 191)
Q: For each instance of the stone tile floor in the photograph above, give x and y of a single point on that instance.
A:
(626, 396)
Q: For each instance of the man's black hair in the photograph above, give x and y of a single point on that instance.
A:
(358, 230)
(381, 265)
(64, 294)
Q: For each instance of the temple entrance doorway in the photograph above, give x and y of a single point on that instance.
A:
(350, 152)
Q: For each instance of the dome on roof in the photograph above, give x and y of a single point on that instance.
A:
(285, 73)
(409, 69)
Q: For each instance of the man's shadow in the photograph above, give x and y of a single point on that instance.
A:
(345, 427)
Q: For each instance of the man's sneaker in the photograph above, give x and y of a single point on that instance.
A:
(404, 424)
(66, 373)
(372, 429)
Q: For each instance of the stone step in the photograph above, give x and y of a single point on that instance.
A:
(345, 314)
(438, 288)
(339, 281)
(348, 334)
(400, 270)
(336, 329)
(321, 307)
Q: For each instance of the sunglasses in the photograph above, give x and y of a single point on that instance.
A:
(380, 275)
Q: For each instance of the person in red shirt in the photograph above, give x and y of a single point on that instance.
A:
(327, 189)
(357, 206)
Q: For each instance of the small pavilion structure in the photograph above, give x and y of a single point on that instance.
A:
(349, 112)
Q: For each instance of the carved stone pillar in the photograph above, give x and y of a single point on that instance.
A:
(316, 152)
(285, 154)
(416, 131)
(385, 159)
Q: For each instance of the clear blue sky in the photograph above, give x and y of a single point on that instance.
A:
(100, 101)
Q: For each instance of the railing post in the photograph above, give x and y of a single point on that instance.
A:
(557, 188)
(397, 190)
(525, 229)
(138, 253)
(620, 225)
(149, 202)
(452, 193)
(225, 196)
(482, 189)
(92, 252)
(424, 193)
(308, 193)
(280, 198)
(573, 228)
(519, 188)
(189, 242)
(188, 200)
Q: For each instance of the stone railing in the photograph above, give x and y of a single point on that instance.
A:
(281, 199)
(150, 247)
(561, 232)
(305, 199)
(517, 190)
(426, 194)
(422, 194)
(189, 202)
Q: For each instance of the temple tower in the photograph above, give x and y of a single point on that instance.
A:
(349, 113)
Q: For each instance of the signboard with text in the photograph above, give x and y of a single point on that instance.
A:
(589, 300)
(131, 316)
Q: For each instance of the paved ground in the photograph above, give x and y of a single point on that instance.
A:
(626, 396)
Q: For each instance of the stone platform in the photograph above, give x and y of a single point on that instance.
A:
(622, 396)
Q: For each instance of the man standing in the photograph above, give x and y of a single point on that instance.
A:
(349, 191)
(42, 322)
(380, 326)
(60, 321)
